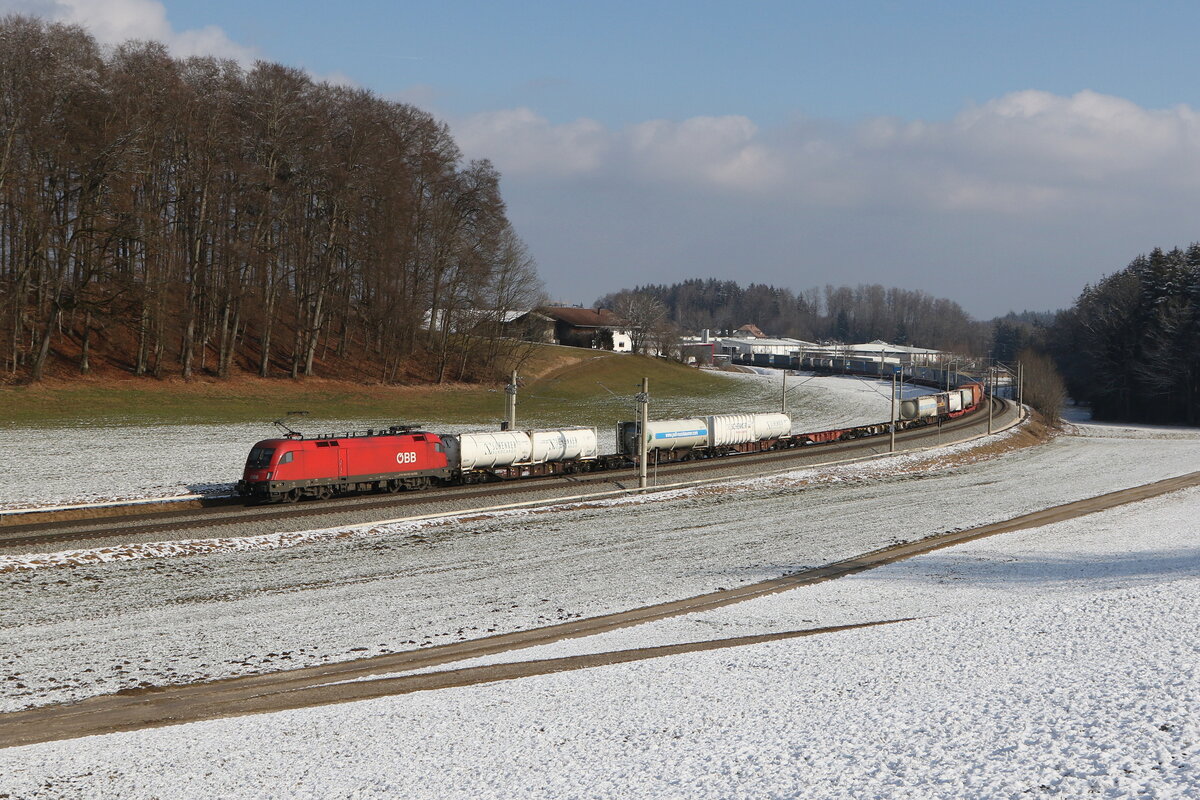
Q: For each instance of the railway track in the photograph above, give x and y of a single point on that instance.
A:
(60, 529)
(357, 680)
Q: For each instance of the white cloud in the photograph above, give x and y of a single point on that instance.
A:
(721, 151)
(116, 21)
(520, 141)
(335, 78)
(1013, 203)
(1024, 152)
(421, 95)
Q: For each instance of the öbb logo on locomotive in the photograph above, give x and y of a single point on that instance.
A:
(404, 458)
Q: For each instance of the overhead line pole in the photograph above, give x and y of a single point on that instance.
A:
(991, 384)
(511, 391)
(892, 446)
(1020, 384)
(643, 399)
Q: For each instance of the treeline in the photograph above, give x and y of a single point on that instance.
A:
(1131, 344)
(194, 215)
(842, 314)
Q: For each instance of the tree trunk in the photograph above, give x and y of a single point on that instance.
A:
(264, 361)
(39, 363)
(315, 331)
(235, 337)
(143, 335)
(189, 334)
(223, 342)
(84, 365)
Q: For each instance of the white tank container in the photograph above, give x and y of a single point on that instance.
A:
(729, 429)
(771, 426)
(488, 450)
(563, 445)
(918, 407)
(954, 400)
(675, 434)
(732, 429)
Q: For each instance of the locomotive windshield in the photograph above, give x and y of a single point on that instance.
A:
(260, 457)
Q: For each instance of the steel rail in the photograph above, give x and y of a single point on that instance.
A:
(146, 523)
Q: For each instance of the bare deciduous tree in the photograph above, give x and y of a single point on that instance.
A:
(231, 218)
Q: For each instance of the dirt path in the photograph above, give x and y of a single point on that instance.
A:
(351, 680)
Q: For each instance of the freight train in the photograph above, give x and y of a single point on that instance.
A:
(951, 404)
(402, 457)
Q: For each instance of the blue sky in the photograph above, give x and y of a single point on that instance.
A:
(1000, 154)
(624, 62)
(627, 61)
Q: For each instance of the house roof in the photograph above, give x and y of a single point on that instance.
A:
(879, 345)
(766, 341)
(584, 317)
(753, 330)
(513, 316)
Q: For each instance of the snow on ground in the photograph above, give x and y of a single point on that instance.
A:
(226, 613)
(1079, 420)
(95, 461)
(1057, 662)
(921, 460)
(110, 463)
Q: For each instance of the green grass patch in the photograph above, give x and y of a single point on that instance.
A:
(577, 387)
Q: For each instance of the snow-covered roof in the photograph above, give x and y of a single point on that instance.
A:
(798, 344)
(878, 345)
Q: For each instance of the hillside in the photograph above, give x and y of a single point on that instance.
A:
(191, 216)
(594, 383)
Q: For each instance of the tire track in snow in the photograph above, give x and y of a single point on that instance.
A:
(343, 682)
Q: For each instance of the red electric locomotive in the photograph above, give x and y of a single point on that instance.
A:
(292, 467)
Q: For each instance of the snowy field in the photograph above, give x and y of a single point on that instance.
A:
(98, 462)
(1061, 662)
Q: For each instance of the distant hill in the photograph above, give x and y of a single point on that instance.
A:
(863, 313)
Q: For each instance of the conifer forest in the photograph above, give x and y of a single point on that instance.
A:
(1130, 346)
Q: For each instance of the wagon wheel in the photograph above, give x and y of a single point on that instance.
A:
(291, 496)
(324, 492)
(394, 486)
